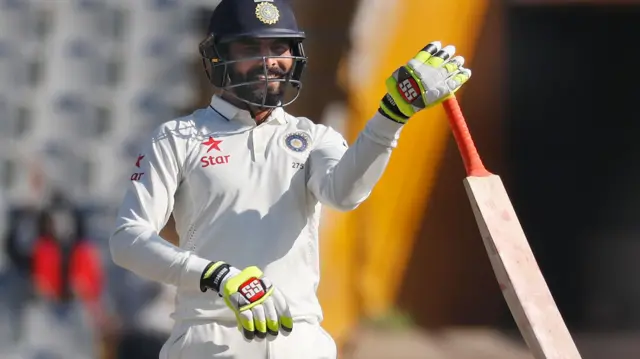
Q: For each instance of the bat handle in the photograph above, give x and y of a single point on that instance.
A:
(472, 161)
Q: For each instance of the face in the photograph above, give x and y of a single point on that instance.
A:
(253, 70)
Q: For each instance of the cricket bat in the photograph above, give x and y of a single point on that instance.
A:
(523, 286)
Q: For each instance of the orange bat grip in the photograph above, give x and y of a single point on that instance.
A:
(472, 161)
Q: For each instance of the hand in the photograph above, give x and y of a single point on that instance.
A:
(428, 79)
(260, 308)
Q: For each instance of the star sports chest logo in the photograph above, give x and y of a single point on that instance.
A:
(210, 160)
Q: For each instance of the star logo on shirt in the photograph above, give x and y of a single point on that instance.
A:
(213, 144)
(140, 157)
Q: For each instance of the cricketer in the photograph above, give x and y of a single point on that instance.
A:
(245, 182)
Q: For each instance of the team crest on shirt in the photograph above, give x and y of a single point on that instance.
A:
(267, 12)
(297, 142)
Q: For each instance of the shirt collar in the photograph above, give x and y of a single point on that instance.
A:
(233, 113)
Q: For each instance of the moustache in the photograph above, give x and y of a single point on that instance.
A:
(271, 71)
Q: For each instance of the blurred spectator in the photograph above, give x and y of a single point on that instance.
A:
(65, 265)
(67, 278)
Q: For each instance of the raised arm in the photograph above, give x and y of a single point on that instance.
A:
(342, 177)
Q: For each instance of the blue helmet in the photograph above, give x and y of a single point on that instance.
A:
(236, 20)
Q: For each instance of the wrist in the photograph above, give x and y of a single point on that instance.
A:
(214, 275)
(389, 109)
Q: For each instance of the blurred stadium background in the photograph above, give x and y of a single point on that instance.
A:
(552, 107)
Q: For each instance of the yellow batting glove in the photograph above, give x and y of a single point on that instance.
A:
(259, 307)
(428, 79)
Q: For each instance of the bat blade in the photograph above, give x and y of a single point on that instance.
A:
(522, 284)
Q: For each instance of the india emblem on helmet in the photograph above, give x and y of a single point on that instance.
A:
(267, 13)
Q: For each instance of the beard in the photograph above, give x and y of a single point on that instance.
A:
(255, 93)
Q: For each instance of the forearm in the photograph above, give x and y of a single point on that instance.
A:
(351, 179)
(141, 250)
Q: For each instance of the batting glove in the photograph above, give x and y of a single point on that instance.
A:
(259, 307)
(428, 79)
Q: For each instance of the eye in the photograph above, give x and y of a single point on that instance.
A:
(251, 50)
(280, 48)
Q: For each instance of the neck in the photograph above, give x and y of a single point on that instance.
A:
(259, 114)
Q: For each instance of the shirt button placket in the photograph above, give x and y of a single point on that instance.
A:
(258, 144)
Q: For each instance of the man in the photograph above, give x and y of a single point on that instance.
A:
(245, 181)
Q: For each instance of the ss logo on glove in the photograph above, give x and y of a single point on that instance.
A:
(253, 289)
(408, 89)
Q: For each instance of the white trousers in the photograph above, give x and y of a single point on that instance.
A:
(216, 340)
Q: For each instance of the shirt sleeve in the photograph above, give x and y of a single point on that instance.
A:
(342, 177)
(135, 244)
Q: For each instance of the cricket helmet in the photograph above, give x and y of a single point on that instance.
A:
(235, 20)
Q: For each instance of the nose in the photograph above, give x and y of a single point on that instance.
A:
(266, 51)
(271, 62)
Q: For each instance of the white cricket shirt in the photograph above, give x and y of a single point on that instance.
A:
(243, 194)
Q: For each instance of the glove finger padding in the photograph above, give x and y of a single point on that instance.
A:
(273, 325)
(282, 308)
(453, 66)
(244, 317)
(246, 324)
(442, 75)
(260, 321)
(441, 56)
(458, 79)
(428, 51)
